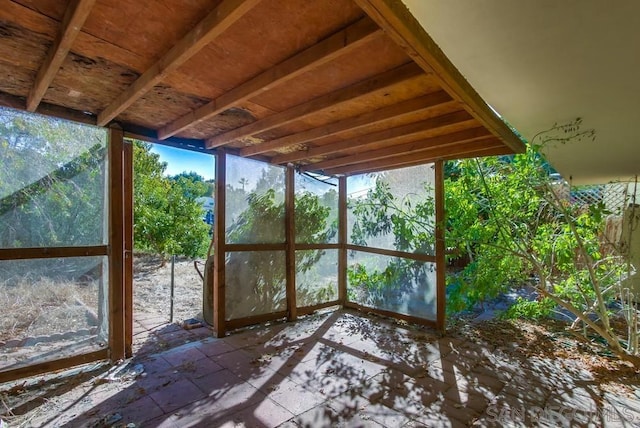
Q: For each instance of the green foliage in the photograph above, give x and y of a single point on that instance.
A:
(381, 213)
(477, 193)
(530, 309)
(167, 218)
(400, 222)
(259, 283)
(52, 189)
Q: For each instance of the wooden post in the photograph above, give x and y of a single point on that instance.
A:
(342, 240)
(290, 241)
(440, 247)
(128, 247)
(219, 246)
(116, 245)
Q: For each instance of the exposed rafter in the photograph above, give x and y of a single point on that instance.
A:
(396, 20)
(412, 106)
(364, 141)
(376, 83)
(72, 22)
(340, 43)
(423, 145)
(214, 24)
(491, 145)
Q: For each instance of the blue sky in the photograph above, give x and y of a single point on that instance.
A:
(184, 160)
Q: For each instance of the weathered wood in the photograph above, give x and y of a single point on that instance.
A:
(306, 310)
(46, 109)
(304, 246)
(382, 312)
(342, 240)
(256, 247)
(128, 247)
(374, 84)
(50, 366)
(74, 18)
(207, 30)
(398, 22)
(321, 53)
(401, 109)
(290, 240)
(255, 319)
(441, 265)
(472, 134)
(116, 245)
(53, 252)
(489, 147)
(394, 253)
(219, 252)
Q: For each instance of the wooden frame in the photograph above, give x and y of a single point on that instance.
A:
(52, 252)
(49, 366)
(377, 83)
(441, 266)
(214, 24)
(128, 246)
(290, 240)
(116, 245)
(342, 240)
(219, 268)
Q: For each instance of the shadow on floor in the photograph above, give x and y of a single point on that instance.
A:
(341, 369)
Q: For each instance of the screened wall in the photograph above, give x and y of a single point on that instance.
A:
(53, 240)
(288, 243)
(391, 225)
(255, 258)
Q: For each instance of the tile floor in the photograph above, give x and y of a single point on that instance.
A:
(333, 369)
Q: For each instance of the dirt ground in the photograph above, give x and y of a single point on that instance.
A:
(152, 288)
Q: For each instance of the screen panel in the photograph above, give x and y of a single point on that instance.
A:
(52, 308)
(393, 284)
(316, 210)
(52, 182)
(254, 210)
(316, 277)
(255, 283)
(393, 210)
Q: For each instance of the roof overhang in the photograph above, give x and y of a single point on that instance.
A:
(541, 63)
(337, 86)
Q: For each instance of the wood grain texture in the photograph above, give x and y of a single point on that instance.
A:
(74, 18)
(214, 24)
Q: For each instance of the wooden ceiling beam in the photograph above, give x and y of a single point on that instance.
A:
(214, 24)
(468, 135)
(340, 43)
(399, 24)
(469, 149)
(72, 22)
(415, 105)
(362, 142)
(382, 81)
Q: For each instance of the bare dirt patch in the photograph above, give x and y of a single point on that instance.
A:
(152, 288)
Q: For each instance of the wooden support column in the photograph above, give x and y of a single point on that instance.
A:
(219, 315)
(290, 240)
(116, 245)
(342, 240)
(128, 247)
(440, 247)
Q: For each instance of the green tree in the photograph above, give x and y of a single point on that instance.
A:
(52, 179)
(167, 218)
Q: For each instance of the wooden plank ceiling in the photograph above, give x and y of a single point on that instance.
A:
(337, 86)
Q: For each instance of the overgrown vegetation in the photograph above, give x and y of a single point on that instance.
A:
(167, 217)
(508, 223)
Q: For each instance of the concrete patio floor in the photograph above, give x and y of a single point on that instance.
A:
(335, 369)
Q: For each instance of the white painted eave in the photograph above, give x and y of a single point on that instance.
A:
(538, 63)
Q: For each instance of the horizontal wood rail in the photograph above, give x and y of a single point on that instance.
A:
(382, 312)
(52, 252)
(393, 253)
